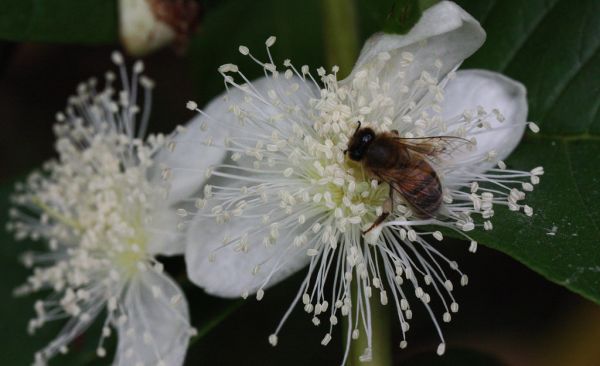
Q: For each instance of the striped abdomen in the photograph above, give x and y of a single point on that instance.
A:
(420, 186)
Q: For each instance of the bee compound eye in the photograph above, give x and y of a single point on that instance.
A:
(366, 138)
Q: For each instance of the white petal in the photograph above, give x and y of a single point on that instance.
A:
(157, 327)
(164, 238)
(191, 157)
(445, 32)
(230, 274)
(490, 90)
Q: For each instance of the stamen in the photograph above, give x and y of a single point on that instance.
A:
(303, 192)
(94, 206)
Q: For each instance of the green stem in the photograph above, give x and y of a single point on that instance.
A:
(380, 336)
(341, 48)
(214, 322)
(341, 34)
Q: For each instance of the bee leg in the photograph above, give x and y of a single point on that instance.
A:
(379, 220)
(388, 207)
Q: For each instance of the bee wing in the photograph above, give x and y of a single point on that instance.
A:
(433, 146)
(415, 186)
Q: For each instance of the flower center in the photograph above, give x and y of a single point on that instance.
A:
(341, 185)
(133, 250)
(347, 191)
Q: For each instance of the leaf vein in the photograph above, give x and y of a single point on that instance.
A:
(490, 10)
(566, 83)
(577, 189)
(521, 42)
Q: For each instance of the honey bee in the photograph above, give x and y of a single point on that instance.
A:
(405, 165)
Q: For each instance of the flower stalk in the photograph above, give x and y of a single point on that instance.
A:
(381, 354)
(340, 34)
(341, 49)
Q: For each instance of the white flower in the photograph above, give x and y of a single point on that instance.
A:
(141, 30)
(283, 193)
(105, 219)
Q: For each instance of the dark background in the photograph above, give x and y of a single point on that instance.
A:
(507, 312)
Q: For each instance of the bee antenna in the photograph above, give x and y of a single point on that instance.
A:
(358, 127)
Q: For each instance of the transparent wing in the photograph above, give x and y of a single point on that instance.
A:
(434, 146)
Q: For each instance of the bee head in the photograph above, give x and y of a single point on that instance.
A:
(359, 143)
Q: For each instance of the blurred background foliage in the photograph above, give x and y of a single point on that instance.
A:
(510, 315)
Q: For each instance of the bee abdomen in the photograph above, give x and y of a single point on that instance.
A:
(425, 191)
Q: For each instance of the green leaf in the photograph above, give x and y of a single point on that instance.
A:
(297, 26)
(395, 16)
(452, 357)
(81, 21)
(402, 16)
(552, 46)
